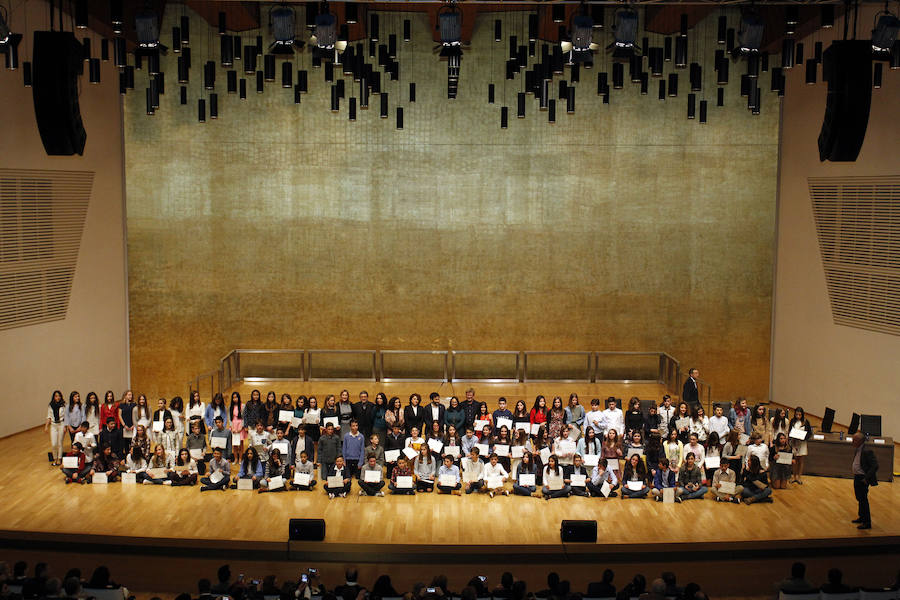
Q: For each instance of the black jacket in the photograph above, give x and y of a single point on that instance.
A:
(869, 464)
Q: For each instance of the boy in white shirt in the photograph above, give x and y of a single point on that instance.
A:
(492, 469)
(615, 418)
(719, 423)
(473, 471)
(88, 442)
(595, 419)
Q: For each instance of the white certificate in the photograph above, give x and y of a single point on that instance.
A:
(245, 483)
(409, 452)
(235, 439)
(554, 483)
(605, 489)
(452, 451)
(535, 428)
(635, 486)
(157, 473)
(276, 482)
(479, 424)
(545, 455)
(157, 426)
(335, 481)
(99, 478)
(668, 495)
(70, 462)
(502, 449)
(217, 442)
(371, 476)
(435, 445)
(196, 453)
(331, 420)
(591, 460)
(448, 480)
(296, 421)
(404, 482)
(682, 423)
(785, 458)
(578, 479)
(567, 447)
(129, 478)
(216, 476)
(283, 447)
(517, 451)
(302, 479)
(633, 451)
(526, 479)
(127, 433)
(504, 421)
(468, 477)
(798, 434)
(483, 449)
(494, 482)
(391, 455)
(743, 439)
(727, 487)
(285, 416)
(523, 426)
(713, 462)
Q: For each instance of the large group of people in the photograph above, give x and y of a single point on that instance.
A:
(669, 452)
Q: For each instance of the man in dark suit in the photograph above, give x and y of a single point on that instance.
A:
(112, 437)
(864, 468)
(690, 392)
(364, 413)
(434, 412)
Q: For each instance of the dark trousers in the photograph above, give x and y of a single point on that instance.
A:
(861, 489)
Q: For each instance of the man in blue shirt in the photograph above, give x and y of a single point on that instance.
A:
(354, 448)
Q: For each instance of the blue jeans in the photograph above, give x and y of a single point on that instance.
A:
(696, 494)
(523, 490)
(548, 493)
(635, 494)
(579, 491)
(757, 494)
(446, 489)
(474, 486)
(396, 490)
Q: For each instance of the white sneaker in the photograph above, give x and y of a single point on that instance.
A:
(362, 493)
(330, 496)
(167, 482)
(381, 494)
(148, 482)
(343, 494)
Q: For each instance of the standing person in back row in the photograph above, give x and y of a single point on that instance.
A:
(864, 469)
(470, 407)
(690, 393)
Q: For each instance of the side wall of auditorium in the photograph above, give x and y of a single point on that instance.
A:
(88, 350)
(816, 363)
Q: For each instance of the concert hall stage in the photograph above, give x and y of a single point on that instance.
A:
(138, 525)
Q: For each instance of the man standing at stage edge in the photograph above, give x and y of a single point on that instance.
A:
(864, 467)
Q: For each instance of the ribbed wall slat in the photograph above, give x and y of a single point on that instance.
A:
(42, 217)
(858, 227)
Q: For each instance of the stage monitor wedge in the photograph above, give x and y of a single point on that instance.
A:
(828, 420)
(309, 530)
(578, 531)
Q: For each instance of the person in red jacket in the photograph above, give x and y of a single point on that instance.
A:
(79, 473)
(538, 414)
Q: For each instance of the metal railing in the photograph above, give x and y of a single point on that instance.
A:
(485, 366)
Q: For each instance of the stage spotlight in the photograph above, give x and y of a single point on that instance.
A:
(827, 16)
(581, 46)
(325, 38)
(147, 27)
(750, 35)
(450, 27)
(282, 21)
(884, 34)
(116, 18)
(625, 31)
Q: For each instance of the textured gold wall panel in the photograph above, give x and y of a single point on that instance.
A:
(622, 227)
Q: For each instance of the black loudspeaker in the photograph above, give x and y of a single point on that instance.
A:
(578, 531)
(57, 65)
(828, 420)
(847, 67)
(854, 424)
(870, 425)
(310, 530)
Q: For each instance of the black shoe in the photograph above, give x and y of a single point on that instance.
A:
(857, 520)
(865, 526)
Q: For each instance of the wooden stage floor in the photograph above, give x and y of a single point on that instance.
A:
(40, 508)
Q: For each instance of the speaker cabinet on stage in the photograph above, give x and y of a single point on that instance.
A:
(847, 67)
(310, 530)
(578, 531)
(58, 61)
